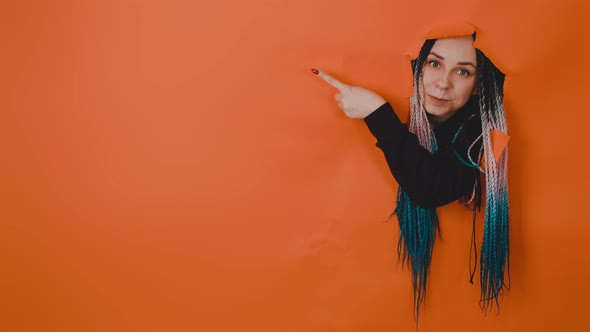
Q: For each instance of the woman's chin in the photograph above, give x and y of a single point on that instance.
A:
(433, 118)
(436, 115)
(435, 111)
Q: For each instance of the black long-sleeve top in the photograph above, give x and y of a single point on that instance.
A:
(430, 180)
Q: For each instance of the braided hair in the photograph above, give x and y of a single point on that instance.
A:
(419, 226)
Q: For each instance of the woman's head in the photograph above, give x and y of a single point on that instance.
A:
(449, 76)
(446, 70)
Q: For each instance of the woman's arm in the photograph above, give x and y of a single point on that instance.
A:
(429, 180)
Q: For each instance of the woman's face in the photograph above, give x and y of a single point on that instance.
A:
(449, 77)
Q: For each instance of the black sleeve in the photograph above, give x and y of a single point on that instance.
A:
(430, 180)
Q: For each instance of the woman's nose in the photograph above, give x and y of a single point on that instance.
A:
(443, 81)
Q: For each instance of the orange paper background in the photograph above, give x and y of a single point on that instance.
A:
(175, 166)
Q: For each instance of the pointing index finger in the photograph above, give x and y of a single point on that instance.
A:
(331, 80)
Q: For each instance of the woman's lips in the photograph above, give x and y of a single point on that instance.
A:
(437, 101)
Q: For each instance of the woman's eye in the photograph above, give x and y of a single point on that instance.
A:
(463, 72)
(434, 64)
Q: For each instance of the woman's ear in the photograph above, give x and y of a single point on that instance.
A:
(475, 90)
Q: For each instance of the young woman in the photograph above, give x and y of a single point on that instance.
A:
(457, 131)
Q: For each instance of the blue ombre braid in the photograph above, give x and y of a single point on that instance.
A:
(495, 249)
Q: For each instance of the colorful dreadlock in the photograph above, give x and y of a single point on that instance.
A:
(419, 226)
(495, 248)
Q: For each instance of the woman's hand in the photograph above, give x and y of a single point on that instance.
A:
(356, 102)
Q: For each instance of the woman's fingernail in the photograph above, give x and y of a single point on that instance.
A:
(315, 71)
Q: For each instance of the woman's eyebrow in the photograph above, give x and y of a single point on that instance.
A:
(436, 55)
(466, 63)
(463, 63)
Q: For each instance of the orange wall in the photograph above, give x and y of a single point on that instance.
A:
(174, 166)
